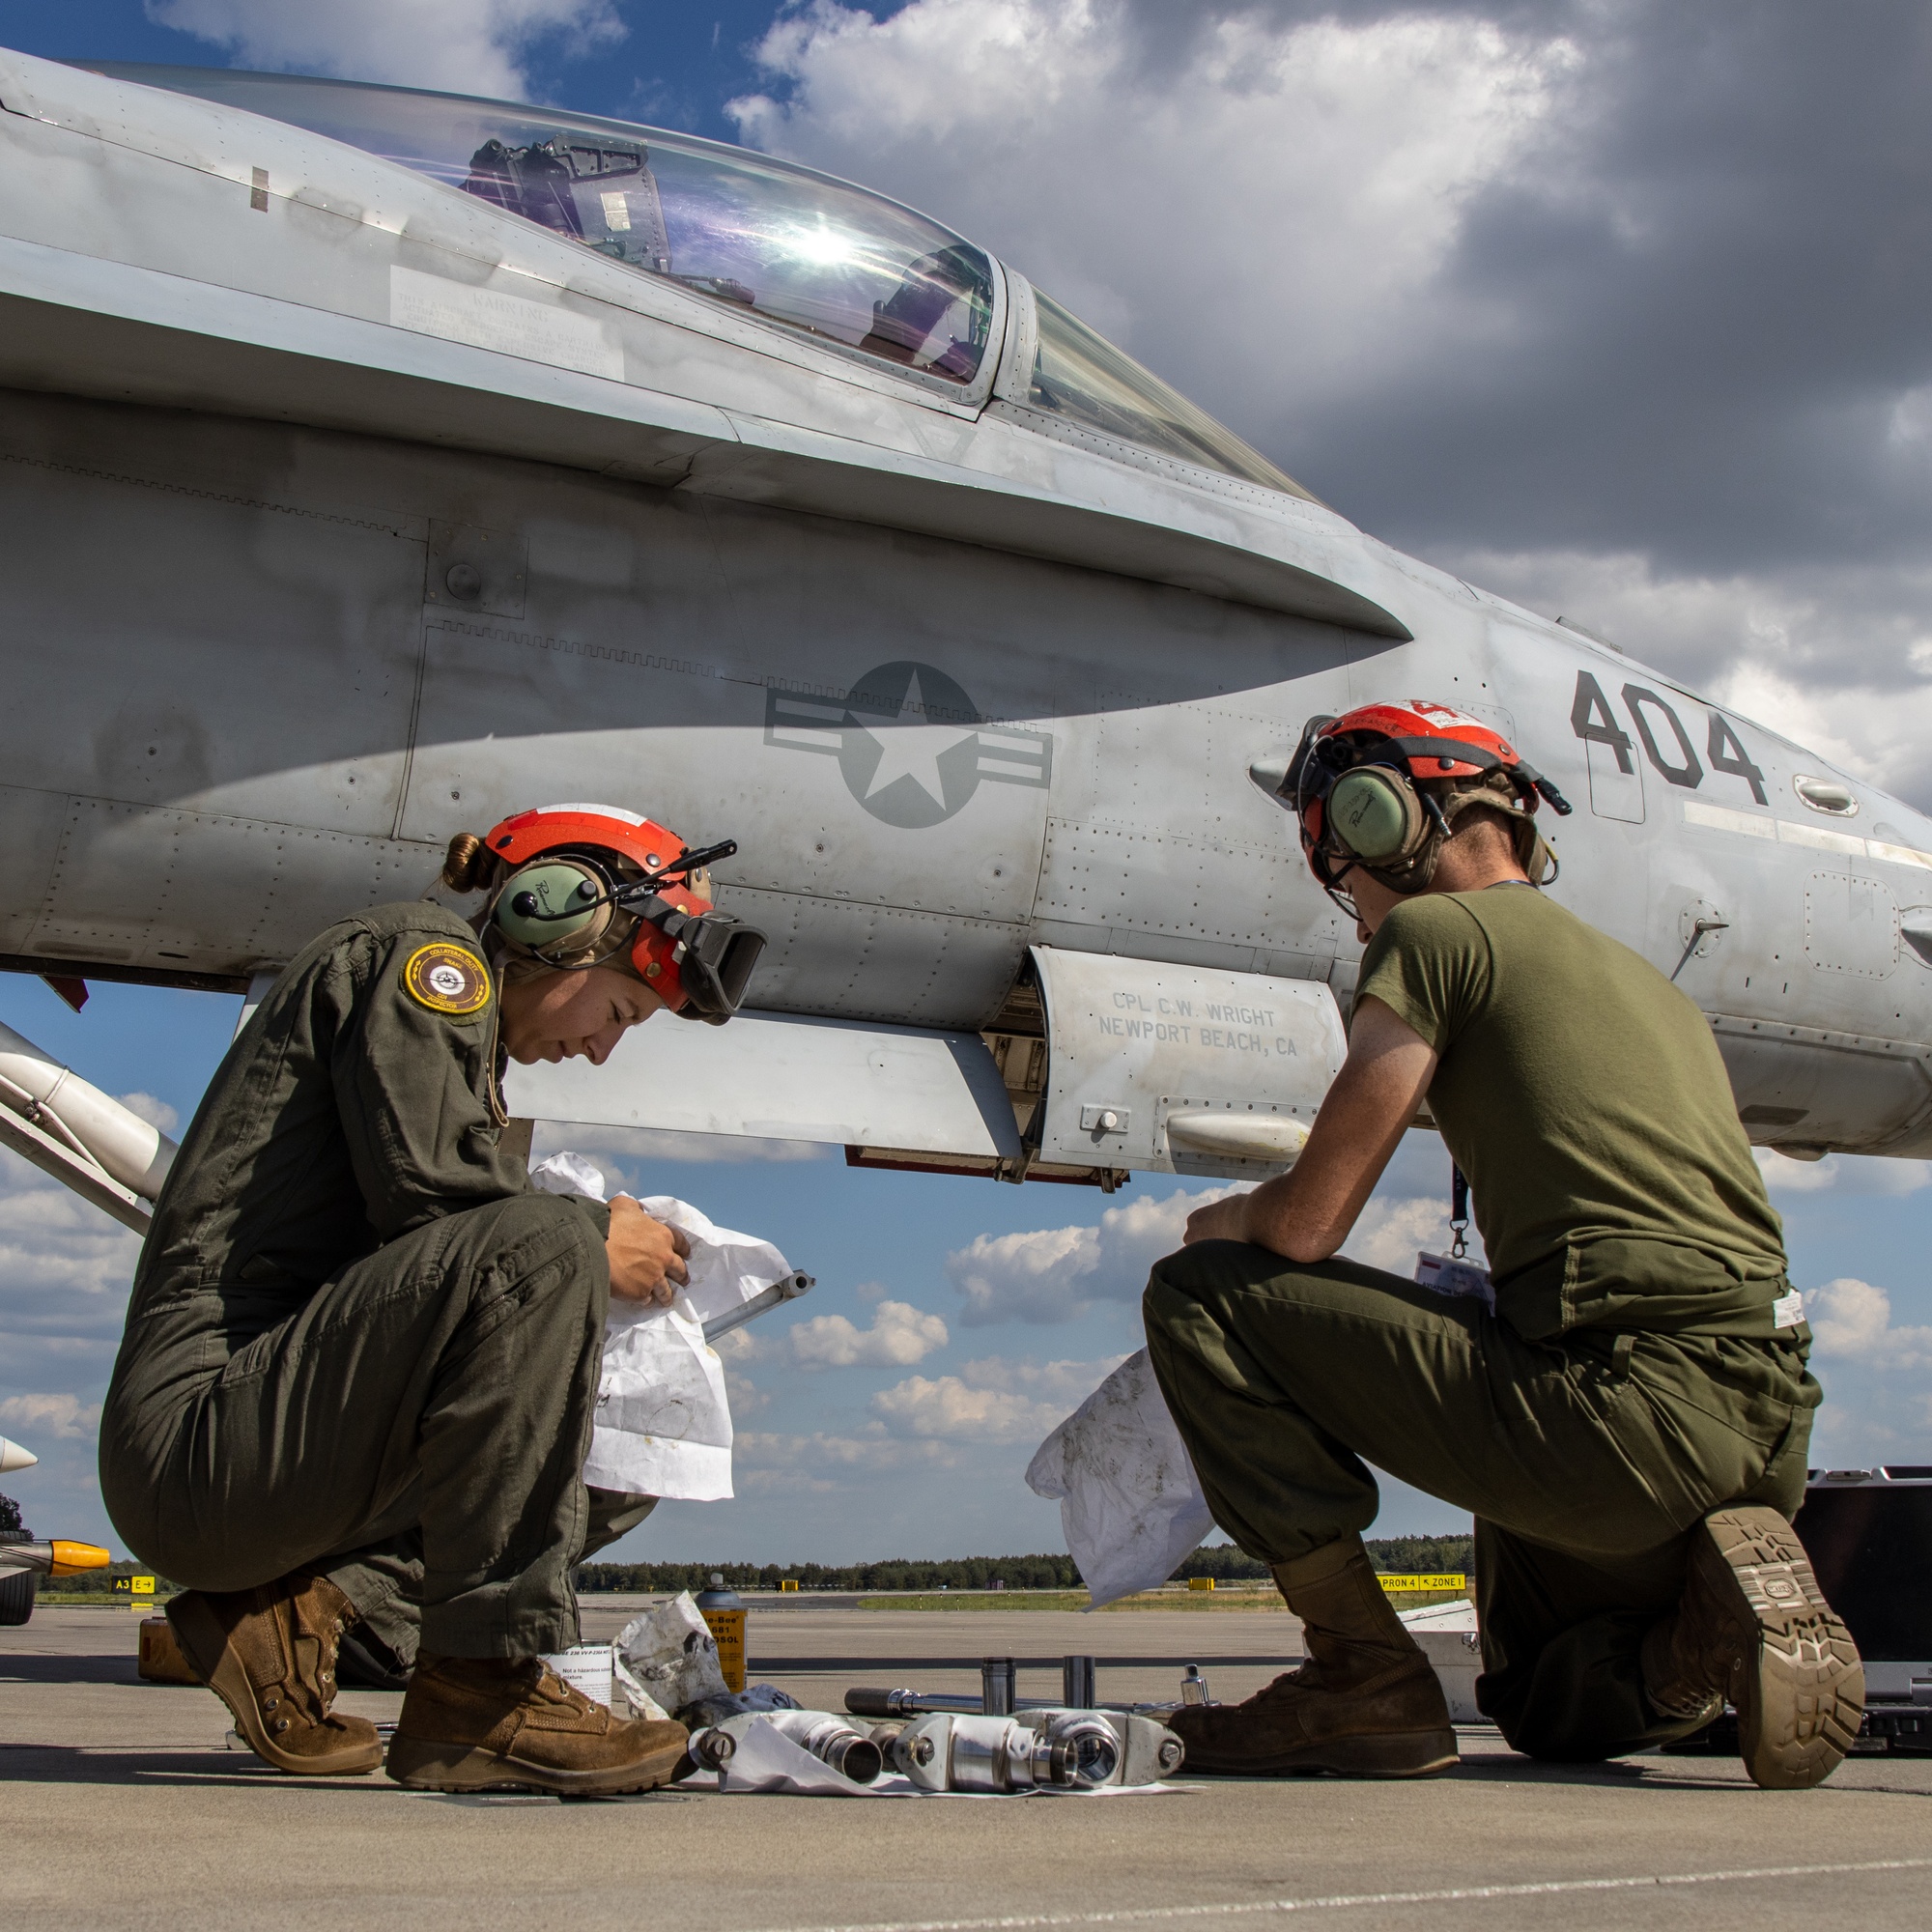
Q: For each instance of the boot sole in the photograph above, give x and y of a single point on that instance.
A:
(1795, 1678)
(461, 1767)
(1398, 1755)
(204, 1645)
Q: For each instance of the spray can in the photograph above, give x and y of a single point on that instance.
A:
(723, 1612)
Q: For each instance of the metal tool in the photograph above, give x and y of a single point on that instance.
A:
(999, 1686)
(788, 1288)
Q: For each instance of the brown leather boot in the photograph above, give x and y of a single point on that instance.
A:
(1366, 1704)
(269, 1653)
(1753, 1626)
(479, 1723)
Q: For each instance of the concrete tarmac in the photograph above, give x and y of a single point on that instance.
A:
(121, 1806)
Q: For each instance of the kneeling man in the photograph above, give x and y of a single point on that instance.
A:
(1628, 1427)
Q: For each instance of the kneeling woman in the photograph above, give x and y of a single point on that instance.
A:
(362, 1355)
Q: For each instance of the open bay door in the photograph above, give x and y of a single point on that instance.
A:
(1095, 1067)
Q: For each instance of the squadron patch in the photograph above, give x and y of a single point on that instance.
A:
(447, 980)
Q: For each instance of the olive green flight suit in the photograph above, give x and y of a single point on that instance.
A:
(1585, 1459)
(358, 1340)
(1633, 1377)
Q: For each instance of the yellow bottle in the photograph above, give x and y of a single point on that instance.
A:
(723, 1610)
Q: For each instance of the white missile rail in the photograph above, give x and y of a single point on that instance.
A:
(84, 1138)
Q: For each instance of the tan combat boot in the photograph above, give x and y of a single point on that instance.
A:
(1366, 1704)
(480, 1724)
(1753, 1626)
(269, 1653)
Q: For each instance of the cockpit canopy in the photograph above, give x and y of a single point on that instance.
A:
(784, 242)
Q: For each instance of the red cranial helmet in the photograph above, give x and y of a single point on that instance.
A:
(592, 884)
(1379, 786)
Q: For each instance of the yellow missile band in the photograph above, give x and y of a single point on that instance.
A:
(71, 1559)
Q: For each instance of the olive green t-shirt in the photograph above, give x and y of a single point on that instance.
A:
(1585, 1099)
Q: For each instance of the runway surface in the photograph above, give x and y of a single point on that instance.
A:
(122, 1808)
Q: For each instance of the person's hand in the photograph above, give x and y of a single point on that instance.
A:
(647, 1256)
(1224, 1220)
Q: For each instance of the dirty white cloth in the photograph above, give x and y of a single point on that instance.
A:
(1130, 1504)
(669, 1654)
(664, 1421)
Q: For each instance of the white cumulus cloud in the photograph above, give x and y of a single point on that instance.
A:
(1391, 1232)
(157, 1112)
(63, 1416)
(947, 1407)
(464, 47)
(899, 1336)
(1865, 1175)
(1851, 1320)
(1041, 1276)
(1056, 1274)
(1066, 1384)
(1321, 166)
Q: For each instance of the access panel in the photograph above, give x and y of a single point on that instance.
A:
(1177, 1069)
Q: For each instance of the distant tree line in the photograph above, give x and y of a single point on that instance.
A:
(1403, 1554)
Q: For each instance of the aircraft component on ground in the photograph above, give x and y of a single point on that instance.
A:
(824, 1734)
(956, 1752)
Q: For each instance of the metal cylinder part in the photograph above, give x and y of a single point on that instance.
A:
(1076, 1683)
(711, 1748)
(1147, 1750)
(958, 1752)
(827, 1737)
(997, 1686)
(863, 1701)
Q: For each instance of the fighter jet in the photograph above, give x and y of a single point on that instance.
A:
(377, 462)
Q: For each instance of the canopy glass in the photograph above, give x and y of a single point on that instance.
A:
(1080, 375)
(797, 247)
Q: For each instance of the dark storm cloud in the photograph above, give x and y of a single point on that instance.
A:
(1714, 282)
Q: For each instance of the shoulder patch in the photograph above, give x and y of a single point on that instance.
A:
(447, 978)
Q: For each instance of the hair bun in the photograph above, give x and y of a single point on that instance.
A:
(469, 865)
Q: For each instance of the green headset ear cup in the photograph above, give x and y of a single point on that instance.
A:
(1376, 818)
(548, 889)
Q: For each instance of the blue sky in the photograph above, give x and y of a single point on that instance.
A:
(1519, 253)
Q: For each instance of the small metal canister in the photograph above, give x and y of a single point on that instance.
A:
(723, 1610)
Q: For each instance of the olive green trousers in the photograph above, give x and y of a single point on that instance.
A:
(415, 1429)
(1585, 1459)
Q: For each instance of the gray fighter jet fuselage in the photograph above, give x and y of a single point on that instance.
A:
(375, 463)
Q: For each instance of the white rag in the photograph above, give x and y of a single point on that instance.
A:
(1130, 1504)
(664, 1421)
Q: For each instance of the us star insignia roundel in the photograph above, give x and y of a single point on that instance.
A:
(447, 980)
